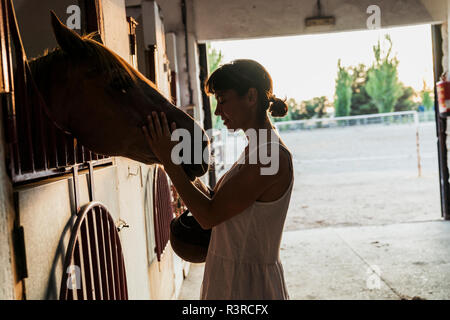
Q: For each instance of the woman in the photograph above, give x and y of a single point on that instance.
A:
(248, 209)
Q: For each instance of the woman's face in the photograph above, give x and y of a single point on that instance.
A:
(233, 109)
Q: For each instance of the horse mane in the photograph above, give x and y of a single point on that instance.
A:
(104, 59)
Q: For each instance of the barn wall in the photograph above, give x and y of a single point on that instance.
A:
(436, 8)
(6, 219)
(173, 23)
(116, 27)
(47, 213)
(174, 45)
(129, 187)
(47, 208)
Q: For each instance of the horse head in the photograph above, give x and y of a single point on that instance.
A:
(100, 99)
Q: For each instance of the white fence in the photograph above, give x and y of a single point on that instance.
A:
(367, 119)
(225, 153)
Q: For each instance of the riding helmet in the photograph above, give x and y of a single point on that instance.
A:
(188, 239)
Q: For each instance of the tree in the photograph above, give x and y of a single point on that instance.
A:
(214, 60)
(404, 102)
(382, 84)
(294, 111)
(427, 100)
(427, 97)
(343, 92)
(361, 102)
(322, 104)
(314, 108)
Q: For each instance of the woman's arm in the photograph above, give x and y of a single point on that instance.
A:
(234, 196)
(198, 201)
(202, 187)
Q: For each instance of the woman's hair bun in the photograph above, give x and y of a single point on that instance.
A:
(278, 107)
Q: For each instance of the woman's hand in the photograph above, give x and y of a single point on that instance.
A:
(158, 137)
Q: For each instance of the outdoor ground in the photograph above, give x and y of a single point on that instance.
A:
(362, 176)
(360, 212)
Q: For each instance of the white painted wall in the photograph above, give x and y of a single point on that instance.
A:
(6, 216)
(116, 27)
(154, 34)
(234, 19)
(436, 8)
(173, 23)
(47, 212)
(171, 45)
(129, 187)
(130, 193)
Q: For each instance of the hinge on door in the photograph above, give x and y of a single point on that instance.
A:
(19, 250)
(19, 244)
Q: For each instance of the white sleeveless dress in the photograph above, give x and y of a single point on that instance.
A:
(243, 261)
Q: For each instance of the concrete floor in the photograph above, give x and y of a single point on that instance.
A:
(396, 261)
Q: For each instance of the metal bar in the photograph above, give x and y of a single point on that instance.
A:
(94, 254)
(170, 213)
(88, 274)
(165, 218)
(54, 146)
(26, 110)
(56, 171)
(6, 55)
(65, 150)
(4, 70)
(91, 182)
(366, 116)
(22, 85)
(115, 259)
(416, 122)
(81, 264)
(73, 149)
(207, 121)
(441, 124)
(121, 270)
(125, 286)
(76, 188)
(110, 265)
(81, 151)
(156, 214)
(102, 253)
(77, 294)
(157, 231)
(42, 137)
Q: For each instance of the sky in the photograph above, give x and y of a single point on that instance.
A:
(304, 67)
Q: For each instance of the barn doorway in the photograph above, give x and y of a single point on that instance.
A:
(378, 164)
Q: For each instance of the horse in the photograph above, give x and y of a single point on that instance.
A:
(92, 93)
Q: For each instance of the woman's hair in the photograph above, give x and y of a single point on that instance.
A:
(243, 74)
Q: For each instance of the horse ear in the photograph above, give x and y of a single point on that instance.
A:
(68, 40)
